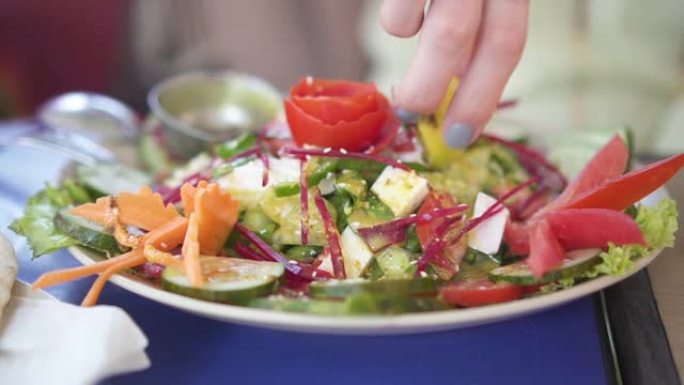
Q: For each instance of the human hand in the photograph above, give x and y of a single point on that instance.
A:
(479, 41)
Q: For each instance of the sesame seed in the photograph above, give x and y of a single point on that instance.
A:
(342, 150)
(327, 150)
(309, 80)
(423, 274)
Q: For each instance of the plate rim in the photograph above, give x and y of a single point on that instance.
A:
(409, 323)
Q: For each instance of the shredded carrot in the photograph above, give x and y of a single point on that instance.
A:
(133, 259)
(191, 253)
(154, 255)
(217, 214)
(65, 275)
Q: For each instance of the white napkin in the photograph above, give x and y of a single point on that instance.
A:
(43, 341)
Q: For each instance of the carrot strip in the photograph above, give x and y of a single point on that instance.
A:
(188, 193)
(144, 209)
(169, 235)
(95, 212)
(134, 258)
(217, 214)
(191, 253)
(154, 255)
(65, 275)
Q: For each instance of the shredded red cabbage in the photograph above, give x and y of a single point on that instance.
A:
(151, 270)
(534, 163)
(442, 238)
(332, 153)
(301, 270)
(264, 176)
(382, 236)
(172, 194)
(248, 253)
(304, 200)
(332, 234)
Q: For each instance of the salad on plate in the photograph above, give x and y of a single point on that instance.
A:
(338, 208)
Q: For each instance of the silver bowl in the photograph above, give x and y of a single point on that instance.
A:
(199, 109)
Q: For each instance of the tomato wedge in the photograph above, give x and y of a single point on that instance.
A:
(594, 228)
(479, 292)
(621, 192)
(435, 200)
(546, 251)
(609, 162)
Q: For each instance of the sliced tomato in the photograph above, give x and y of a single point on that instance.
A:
(426, 231)
(479, 292)
(610, 161)
(331, 110)
(593, 228)
(621, 192)
(353, 136)
(546, 251)
(517, 236)
(330, 87)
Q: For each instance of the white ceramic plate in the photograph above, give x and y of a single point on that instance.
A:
(394, 324)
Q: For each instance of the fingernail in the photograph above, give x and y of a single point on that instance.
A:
(406, 116)
(458, 135)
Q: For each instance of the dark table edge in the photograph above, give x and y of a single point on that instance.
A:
(633, 337)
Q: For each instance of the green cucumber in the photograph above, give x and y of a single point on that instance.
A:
(342, 289)
(87, 233)
(305, 254)
(231, 280)
(396, 263)
(111, 178)
(286, 189)
(235, 146)
(358, 304)
(575, 264)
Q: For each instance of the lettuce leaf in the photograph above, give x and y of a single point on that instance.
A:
(37, 223)
(658, 224)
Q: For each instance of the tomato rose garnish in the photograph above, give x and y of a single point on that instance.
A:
(339, 114)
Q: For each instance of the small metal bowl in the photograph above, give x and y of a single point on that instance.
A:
(203, 108)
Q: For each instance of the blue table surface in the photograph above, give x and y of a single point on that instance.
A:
(559, 346)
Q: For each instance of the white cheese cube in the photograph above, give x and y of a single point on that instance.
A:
(356, 253)
(326, 265)
(244, 182)
(402, 191)
(486, 237)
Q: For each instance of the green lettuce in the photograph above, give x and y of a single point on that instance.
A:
(657, 223)
(37, 223)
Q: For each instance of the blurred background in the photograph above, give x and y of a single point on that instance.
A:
(588, 65)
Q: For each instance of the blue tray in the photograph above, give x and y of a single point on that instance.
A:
(560, 346)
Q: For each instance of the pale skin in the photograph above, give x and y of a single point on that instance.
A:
(479, 41)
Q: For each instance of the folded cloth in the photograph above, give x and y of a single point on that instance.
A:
(43, 341)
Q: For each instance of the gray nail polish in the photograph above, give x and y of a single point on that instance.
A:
(406, 116)
(458, 135)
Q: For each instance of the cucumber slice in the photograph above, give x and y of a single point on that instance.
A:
(111, 178)
(231, 280)
(395, 262)
(358, 304)
(575, 264)
(395, 287)
(87, 233)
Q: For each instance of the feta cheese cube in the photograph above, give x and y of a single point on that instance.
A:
(487, 236)
(402, 191)
(356, 253)
(244, 182)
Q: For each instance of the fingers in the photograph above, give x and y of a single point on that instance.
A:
(448, 32)
(402, 18)
(498, 50)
